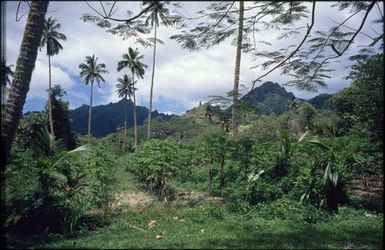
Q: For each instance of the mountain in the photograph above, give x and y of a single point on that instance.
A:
(321, 101)
(269, 98)
(107, 118)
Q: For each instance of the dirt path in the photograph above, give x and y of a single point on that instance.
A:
(194, 195)
(135, 200)
(139, 200)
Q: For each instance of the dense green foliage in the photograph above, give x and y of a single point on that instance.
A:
(361, 105)
(59, 188)
(61, 118)
(156, 163)
(321, 101)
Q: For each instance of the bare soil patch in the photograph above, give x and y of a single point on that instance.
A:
(194, 195)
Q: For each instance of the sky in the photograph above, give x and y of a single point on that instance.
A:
(182, 78)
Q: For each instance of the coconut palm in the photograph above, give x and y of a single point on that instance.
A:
(23, 72)
(50, 40)
(125, 88)
(91, 71)
(132, 60)
(157, 15)
(7, 73)
(7, 69)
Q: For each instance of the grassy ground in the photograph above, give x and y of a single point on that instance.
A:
(201, 224)
(204, 225)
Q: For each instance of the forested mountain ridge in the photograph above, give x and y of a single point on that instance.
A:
(107, 118)
(269, 98)
(272, 98)
(321, 101)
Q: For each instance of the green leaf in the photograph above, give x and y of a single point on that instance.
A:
(327, 174)
(335, 179)
(319, 144)
(303, 136)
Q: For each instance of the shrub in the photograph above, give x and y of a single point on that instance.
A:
(102, 170)
(155, 163)
(60, 188)
(263, 191)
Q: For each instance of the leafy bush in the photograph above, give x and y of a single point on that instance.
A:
(263, 191)
(59, 188)
(102, 170)
(372, 203)
(155, 163)
(212, 148)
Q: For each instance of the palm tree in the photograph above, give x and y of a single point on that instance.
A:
(50, 39)
(156, 14)
(91, 71)
(132, 60)
(209, 112)
(23, 72)
(7, 72)
(125, 88)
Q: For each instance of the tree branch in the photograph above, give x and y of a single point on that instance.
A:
(122, 20)
(220, 20)
(350, 28)
(113, 5)
(104, 10)
(334, 30)
(349, 43)
(17, 12)
(379, 9)
(287, 58)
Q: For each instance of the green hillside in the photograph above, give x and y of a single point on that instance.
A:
(321, 101)
(269, 98)
(107, 118)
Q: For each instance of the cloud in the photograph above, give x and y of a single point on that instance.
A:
(39, 82)
(182, 79)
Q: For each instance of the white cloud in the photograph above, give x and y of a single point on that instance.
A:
(182, 79)
(39, 82)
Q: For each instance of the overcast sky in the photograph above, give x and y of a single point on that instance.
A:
(182, 78)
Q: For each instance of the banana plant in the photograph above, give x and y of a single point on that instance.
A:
(331, 162)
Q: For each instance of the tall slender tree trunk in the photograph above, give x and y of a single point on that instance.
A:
(22, 77)
(210, 177)
(125, 124)
(236, 72)
(52, 137)
(222, 174)
(135, 130)
(90, 113)
(3, 60)
(152, 87)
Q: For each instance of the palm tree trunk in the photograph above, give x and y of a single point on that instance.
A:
(90, 113)
(22, 77)
(52, 137)
(135, 130)
(3, 94)
(152, 87)
(236, 73)
(125, 124)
